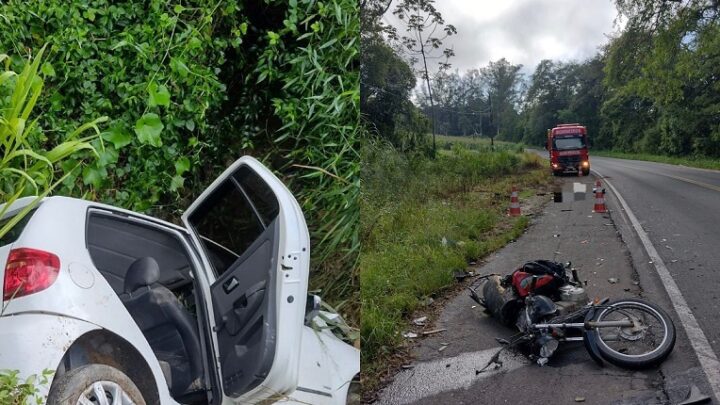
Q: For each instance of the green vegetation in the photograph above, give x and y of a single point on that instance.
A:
(477, 143)
(703, 163)
(189, 87)
(14, 391)
(422, 219)
(653, 89)
(26, 169)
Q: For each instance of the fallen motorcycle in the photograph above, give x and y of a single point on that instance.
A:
(549, 308)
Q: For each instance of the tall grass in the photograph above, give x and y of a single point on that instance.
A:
(422, 219)
(26, 168)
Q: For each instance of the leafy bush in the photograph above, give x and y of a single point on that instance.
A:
(25, 169)
(193, 85)
(14, 391)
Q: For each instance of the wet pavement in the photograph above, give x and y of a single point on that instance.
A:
(445, 370)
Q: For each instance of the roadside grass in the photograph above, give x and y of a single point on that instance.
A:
(446, 142)
(700, 162)
(421, 220)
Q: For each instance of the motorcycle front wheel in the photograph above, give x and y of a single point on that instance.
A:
(645, 343)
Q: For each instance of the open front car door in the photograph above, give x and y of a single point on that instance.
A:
(252, 233)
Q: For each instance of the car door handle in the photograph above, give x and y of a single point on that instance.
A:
(230, 285)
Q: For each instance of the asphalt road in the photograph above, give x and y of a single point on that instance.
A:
(678, 208)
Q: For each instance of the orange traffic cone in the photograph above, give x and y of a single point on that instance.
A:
(514, 203)
(599, 199)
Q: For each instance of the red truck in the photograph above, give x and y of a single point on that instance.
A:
(568, 148)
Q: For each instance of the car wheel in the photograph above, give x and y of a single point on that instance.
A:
(94, 384)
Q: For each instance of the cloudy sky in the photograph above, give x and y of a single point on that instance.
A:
(524, 31)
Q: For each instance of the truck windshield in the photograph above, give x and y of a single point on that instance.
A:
(569, 143)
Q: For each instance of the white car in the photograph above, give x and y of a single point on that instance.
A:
(125, 308)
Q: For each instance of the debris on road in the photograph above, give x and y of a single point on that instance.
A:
(557, 235)
(579, 399)
(584, 242)
(407, 366)
(434, 331)
(441, 348)
(420, 321)
(612, 280)
(410, 335)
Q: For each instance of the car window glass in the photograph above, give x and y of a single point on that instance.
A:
(14, 232)
(226, 224)
(259, 193)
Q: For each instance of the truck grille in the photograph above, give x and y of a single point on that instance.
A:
(569, 160)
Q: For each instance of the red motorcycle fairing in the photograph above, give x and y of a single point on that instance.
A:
(522, 282)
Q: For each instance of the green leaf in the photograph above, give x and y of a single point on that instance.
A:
(94, 176)
(190, 125)
(148, 129)
(118, 137)
(47, 69)
(179, 67)
(108, 157)
(194, 43)
(176, 183)
(158, 95)
(182, 165)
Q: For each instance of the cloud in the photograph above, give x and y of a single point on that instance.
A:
(525, 31)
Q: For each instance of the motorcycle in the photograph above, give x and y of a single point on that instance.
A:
(549, 308)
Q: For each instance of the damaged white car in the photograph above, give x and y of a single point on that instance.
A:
(125, 308)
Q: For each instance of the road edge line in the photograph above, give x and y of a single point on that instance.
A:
(699, 342)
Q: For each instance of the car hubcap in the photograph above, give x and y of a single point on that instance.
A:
(104, 393)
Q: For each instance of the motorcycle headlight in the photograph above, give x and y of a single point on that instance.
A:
(548, 346)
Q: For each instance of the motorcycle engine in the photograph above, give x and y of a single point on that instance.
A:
(541, 307)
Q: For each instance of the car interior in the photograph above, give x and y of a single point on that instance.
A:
(150, 271)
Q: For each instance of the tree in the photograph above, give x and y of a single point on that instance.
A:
(421, 21)
(503, 81)
(385, 85)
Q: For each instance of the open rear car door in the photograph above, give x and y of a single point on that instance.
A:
(252, 232)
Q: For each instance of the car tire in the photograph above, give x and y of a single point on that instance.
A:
(586, 172)
(87, 380)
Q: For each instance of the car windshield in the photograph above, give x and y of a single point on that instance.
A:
(15, 231)
(569, 143)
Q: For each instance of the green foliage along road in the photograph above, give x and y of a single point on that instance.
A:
(653, 89)
(189, 87)
(423, 219)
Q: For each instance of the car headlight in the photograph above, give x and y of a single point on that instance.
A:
(586, 163)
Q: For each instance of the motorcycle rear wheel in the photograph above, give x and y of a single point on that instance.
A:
(623, 346)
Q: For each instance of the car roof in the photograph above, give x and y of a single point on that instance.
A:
(50, 202)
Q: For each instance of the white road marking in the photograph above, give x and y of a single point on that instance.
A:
(445, 374)
(708, 360)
